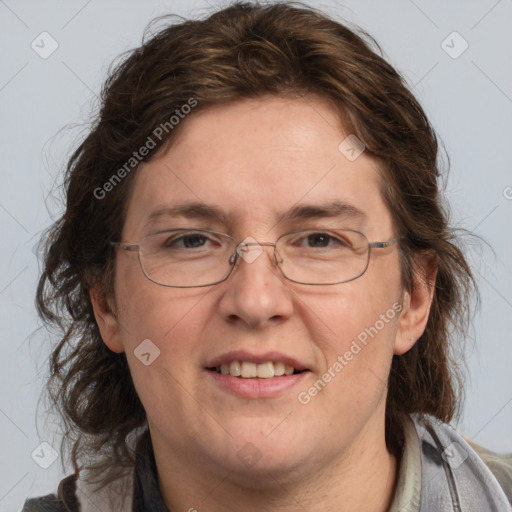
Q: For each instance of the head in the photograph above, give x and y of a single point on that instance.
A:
(245, 111)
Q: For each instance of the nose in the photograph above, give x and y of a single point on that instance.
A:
(256, 293)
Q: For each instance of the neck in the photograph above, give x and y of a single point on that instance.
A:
(363, 479)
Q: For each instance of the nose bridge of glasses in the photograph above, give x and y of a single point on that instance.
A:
(241, 245)
(243, 250)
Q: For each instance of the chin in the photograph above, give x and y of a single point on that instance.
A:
(260, 469)
(253, 453)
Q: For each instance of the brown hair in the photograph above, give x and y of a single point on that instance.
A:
(245, 50)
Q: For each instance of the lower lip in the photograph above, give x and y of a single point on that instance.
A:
(256, 388)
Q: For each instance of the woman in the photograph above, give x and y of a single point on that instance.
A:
(258, 285)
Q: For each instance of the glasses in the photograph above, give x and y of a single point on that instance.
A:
(190, 258)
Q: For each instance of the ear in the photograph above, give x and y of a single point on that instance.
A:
(106, 319)
(416, 303)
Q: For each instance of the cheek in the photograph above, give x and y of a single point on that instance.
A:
(355, 329)
(349, 309)
(355, 347)
(150, 311)
(160, 329)
(362, 329)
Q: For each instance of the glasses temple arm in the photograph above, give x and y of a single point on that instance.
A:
(125, 247)
(383, 245)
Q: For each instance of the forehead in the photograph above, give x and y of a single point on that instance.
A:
(256, 160)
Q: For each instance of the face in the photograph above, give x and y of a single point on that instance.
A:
(255, 160)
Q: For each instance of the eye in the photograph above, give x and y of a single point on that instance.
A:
(319, 239)
(184, 241)
(322, 239)
(188, 241)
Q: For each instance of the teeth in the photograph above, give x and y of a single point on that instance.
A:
(235, 369)
(278, 369)
(265, 370)
(248, 370)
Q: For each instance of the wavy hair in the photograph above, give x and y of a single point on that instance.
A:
(245, 50)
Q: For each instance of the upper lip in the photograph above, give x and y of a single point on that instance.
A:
(244, 355)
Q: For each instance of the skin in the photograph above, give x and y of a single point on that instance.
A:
(255, 158)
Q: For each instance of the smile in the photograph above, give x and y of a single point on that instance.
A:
(250, 370)
(250, 375)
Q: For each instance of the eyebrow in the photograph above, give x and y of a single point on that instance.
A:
(331, 209)
(198, 210)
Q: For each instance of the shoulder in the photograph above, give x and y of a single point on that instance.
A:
(79, 495)
(475, 474)
(88, 492)
(49, 503)
(499, 464)
(64, 500)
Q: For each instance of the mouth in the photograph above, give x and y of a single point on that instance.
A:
(246, 374)
(250, 370)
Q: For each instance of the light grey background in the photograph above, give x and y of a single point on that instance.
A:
(469, 100)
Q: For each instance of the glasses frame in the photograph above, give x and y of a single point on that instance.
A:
(129, 247)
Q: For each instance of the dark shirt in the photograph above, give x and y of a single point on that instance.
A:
(146, 491)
